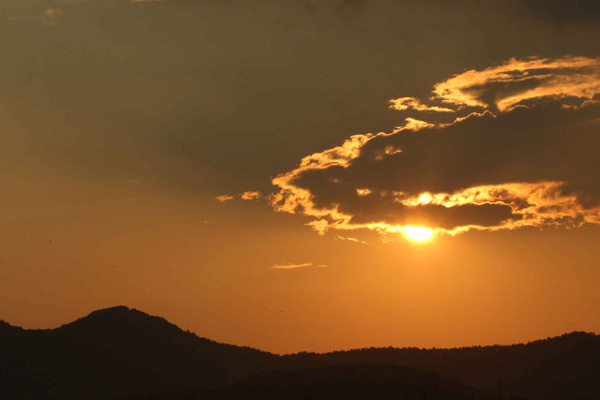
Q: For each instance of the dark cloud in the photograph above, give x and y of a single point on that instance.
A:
(207, 97)
(561, 11)
(533, 163)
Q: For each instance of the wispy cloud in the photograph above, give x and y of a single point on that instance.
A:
(296, 266)
(351, 239)
(411, 103)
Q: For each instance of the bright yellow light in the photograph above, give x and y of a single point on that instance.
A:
(425, 198)
(417, 233)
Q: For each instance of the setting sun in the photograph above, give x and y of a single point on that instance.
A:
(418, 234)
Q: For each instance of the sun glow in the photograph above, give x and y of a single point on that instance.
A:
(418, 234)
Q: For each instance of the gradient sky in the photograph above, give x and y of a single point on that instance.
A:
(247, 170)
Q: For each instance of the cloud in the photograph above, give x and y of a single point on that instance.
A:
(522, 151)
(410, 103)
(251, 195)
(296, 266)
(558, 11)
(224, 197)
(248, 195)
(351, 239)
(516, 81)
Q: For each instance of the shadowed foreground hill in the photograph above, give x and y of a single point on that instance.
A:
(336, 382)
(119, 352)
(351, 382)
(563, 367)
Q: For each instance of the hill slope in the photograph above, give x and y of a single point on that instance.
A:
(554, 368)
(119, 352)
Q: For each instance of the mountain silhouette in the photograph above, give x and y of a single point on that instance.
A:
(124, 353)
(114, 352)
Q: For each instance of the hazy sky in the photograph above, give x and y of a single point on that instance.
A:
(248, 169)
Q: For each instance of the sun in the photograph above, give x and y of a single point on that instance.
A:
(418, 234)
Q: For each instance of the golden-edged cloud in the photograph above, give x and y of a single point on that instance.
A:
(521, 152)
(411, 103)
(518, 81)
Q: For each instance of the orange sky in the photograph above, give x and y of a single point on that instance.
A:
(122, 122)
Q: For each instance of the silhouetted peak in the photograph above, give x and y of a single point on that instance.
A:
(120, 319)
(116, 311)
(119, 308)
(122, 325)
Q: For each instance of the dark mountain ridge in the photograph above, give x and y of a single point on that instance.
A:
(119, 352)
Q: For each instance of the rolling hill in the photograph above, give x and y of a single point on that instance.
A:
(124, 353)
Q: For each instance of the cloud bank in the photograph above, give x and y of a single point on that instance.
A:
(520, 151)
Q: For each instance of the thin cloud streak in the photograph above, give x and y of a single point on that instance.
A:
(296, 266)
(351, 239)
(411, 103)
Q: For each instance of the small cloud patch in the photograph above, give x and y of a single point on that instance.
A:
(224, 197)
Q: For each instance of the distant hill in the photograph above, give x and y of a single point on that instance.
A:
(121, 352)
